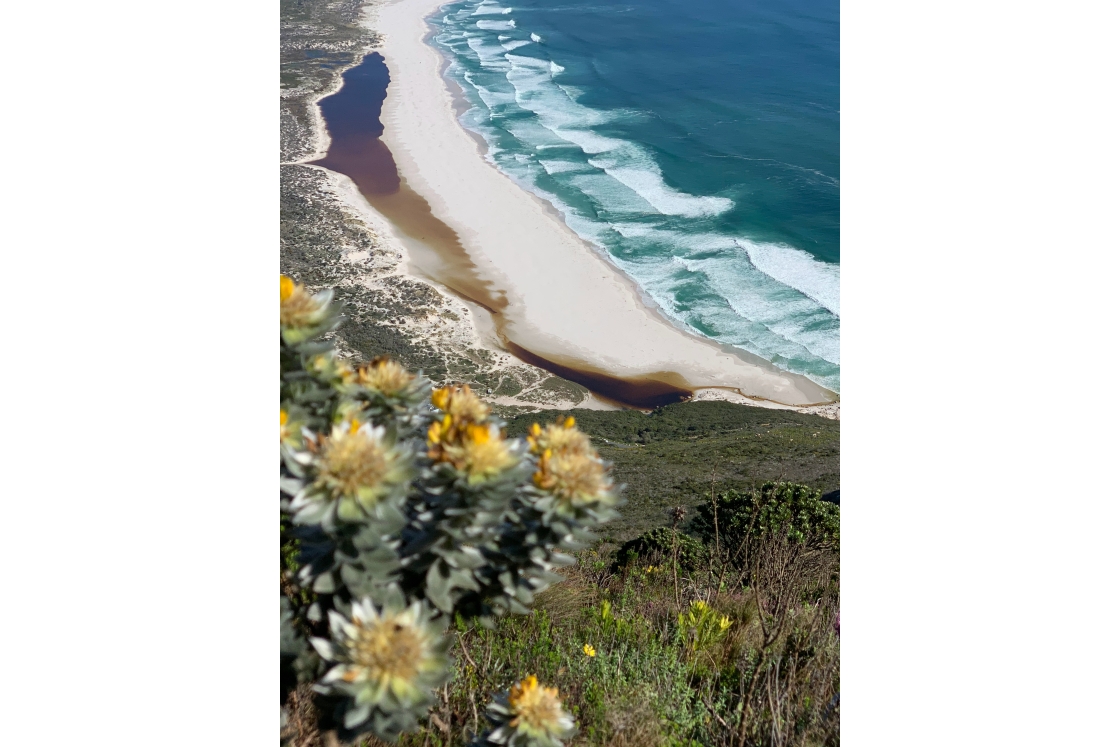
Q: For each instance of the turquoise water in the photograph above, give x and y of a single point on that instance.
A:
(696, 143)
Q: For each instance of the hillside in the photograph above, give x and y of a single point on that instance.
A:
(671, 456)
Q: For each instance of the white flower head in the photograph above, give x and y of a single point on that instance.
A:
(389, 658)
(357, 474)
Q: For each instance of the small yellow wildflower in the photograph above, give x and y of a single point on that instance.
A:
(537, 710)
(589, 650)
(724, 622)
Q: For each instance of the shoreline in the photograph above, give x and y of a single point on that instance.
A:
(565, 304)
(332, 238)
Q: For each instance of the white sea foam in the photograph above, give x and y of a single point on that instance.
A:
(512, 45)
(560, 167)
(555, 69)
(775, 320)
(610, 195)
(492, 98)
(535, 38)
(799, 270)
(490, 56)
(649, 183)
(491, 9)
(628, 163)
(746, 304)
(486, 25)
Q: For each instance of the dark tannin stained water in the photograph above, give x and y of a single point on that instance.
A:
(353, 118)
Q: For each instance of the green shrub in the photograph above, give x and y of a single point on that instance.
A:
(775, 508)
(396, 516)
(658, 543)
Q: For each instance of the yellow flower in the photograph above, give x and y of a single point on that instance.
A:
(298, 308)
(589, 650)
(464, 439)
(561, 437)
(577, 478)
(481, 452)
(385, 376)
(537, 710)
(461, 404)
(724, 622)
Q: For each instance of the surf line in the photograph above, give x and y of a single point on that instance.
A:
(353, 119)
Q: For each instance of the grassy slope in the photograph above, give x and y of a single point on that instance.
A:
(670, 457)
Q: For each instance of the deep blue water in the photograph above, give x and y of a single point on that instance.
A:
(695, 142)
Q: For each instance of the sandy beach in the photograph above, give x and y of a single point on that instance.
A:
(555, 301)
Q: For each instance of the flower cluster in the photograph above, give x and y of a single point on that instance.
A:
(466, 439)
(385, 376)
(395, 517)
(702, 626)
(569, 468)
(387, 660)
(529, 715)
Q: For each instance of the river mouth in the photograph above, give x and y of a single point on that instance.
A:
(353, 119)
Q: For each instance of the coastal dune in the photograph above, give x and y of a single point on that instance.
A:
(559, 304)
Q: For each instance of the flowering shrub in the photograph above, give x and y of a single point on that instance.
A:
(402, 507)
(701, 627)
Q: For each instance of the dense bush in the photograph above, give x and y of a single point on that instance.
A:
(776, 507)
(657, 545)
(402, 508)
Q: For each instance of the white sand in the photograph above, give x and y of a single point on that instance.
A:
(566, 303)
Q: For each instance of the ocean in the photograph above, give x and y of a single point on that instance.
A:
(695, 143)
